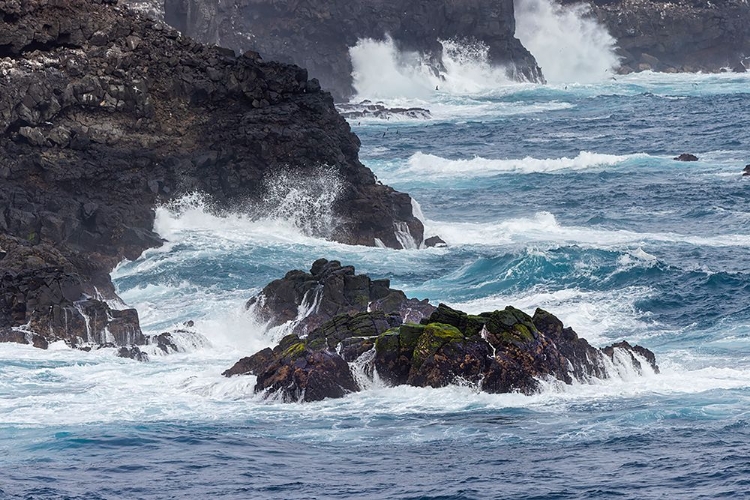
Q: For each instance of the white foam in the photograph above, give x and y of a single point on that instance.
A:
(381, 71)
(566, 40)
(544, 228)
(421, 164)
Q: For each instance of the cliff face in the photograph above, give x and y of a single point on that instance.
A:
(317, 34)
(678, 35)
(104, 114)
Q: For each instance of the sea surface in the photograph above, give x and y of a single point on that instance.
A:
(561, 196)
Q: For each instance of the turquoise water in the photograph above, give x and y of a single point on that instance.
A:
(562, 197)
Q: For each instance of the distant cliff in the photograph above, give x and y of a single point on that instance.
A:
(104, 114)
(317, 34)
(678, 35)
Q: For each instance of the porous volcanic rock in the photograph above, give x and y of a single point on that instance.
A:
(105, 113)
(317, 34)
(498, 352)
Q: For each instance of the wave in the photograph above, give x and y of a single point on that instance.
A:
(435, 166)
(382, 71)
(543, 227)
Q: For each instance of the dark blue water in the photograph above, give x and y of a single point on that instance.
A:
(554, 197)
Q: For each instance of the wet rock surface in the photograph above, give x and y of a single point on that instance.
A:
(317, 35)
(498, 352)
(309, 299)
(104, 114)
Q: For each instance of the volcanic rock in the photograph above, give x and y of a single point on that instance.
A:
(686, 157)
(328, 290)
(498, 352)
(318, 35)
(104, 114)
(677, 35)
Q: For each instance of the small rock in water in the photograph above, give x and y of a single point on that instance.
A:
(435, 241)
(746, 171)
(686, 157)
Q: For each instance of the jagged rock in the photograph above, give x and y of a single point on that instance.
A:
(133, 353)
(367, 109)
(318, 36)
(500, 351)
(104, 114)
(686, 157)
(677, 35)
(328, 290)
(746, 171)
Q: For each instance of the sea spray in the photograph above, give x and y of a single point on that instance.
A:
(382, 71)
(567, 42)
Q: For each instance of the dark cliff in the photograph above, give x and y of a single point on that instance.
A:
(678, 35)
(318, 34)
(104, 114)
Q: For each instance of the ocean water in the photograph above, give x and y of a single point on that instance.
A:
(562, 196)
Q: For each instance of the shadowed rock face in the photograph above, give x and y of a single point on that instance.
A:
(678, 35)
(104, 114)
(317, 34)
(498, 352)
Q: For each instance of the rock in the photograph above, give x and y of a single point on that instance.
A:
(435, 241)
(329, 290)
(746, 171)
(298, 374)
(367, 109)
(686, 157)
(684, 35)
(319, 35)
(499, 351)
(104, 114)
(133, 353)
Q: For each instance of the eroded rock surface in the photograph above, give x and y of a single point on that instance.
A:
(500, 351)
(104, 114)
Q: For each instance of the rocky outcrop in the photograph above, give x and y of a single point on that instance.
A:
(104, 114)
(498, 352)
(317, 35)
(309, 299)
(678, 35)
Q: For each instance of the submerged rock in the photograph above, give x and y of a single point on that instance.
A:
(746, 171)
(498, 352)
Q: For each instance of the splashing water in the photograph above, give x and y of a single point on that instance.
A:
(381, 71)
(567, 42)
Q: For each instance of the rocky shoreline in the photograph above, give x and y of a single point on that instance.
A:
(678, 35)
(104, 114)
(338, 318)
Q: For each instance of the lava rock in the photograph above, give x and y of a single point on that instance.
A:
(328, 290)
(686, 157)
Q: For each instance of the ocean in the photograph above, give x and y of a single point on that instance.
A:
(563, 196)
